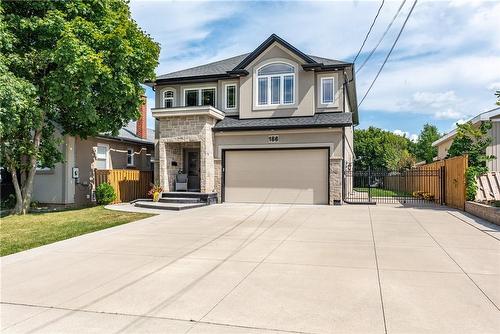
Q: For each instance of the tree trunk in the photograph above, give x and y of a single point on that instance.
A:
(17, 189)
(27, 190)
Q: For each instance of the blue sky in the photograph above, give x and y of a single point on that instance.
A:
(444, 69)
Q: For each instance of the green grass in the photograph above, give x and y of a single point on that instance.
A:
(18, 233)
(377, 192)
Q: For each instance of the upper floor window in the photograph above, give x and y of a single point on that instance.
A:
(230, 96)
(168, 99)
(199, 97)
(327, 90)
(276, 84)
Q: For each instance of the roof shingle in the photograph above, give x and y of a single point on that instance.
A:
(320, 120)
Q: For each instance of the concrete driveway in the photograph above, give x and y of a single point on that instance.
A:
(263, 269)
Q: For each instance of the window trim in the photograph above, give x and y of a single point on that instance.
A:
(199, 89)
(322, 79)
(226, 86)
(281, 104)
(131, 155)
(106, 159)
(165, 99)
(174, 99)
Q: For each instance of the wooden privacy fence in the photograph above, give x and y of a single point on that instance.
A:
(128, 184)
(444, 180)
(488, 187)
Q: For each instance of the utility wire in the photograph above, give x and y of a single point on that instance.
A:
(390, 51)
(369, 31)
(381, 38)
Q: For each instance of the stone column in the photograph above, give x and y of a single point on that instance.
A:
(218, 178)
(207, 182)
(163, 168)
(335, 181)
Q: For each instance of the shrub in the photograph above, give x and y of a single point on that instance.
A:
(104, 194)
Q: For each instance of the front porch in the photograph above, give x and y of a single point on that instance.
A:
(186, 145)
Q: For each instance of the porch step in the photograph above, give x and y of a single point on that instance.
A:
(180, 200)
(208, 198)
(168, 206)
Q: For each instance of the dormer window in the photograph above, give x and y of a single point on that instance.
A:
(276, 84)
(168, 99)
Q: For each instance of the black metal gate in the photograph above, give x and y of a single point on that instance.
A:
(416, 185)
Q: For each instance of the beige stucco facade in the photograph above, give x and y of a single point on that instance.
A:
(182, 128)
(493, 149)
(57, 185)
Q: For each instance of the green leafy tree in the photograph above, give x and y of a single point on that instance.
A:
(423, 149)
(74, 65)
(382, 150)
(473, 141)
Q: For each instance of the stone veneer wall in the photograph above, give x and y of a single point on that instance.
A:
(218, 178)
(335, 181)
(183, 131)
(486, 212)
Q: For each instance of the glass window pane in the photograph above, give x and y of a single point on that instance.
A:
(169, 103)
(275, 90)
(327, 88)
(231, 97)
(262, 90)
(101, 152)
(169, 93)
(100, 164)
(208, 97)
(278, 68)
(191, 98)
(288, 89)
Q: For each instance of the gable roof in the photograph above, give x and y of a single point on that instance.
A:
(127, 133)
(482, 117)
(235, 66)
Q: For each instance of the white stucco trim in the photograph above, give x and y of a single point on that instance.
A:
(188, 111)
(274, 146)
(162, 96)
(255, 80)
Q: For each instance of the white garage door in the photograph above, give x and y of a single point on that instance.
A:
(297, 176)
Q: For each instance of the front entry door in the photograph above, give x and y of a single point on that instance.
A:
(192, 167)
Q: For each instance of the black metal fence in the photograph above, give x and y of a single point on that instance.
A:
(417, 185)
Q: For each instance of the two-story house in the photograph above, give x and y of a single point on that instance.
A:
(271, 126)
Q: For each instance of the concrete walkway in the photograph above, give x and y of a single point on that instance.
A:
(263, 269)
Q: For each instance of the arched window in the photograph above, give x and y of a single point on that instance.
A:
(276, 84)
(168, 99)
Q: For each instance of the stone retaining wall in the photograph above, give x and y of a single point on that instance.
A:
(486, 212)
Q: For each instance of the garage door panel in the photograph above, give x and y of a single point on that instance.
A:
(277, 176)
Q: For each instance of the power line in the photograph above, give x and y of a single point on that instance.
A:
(381, 38)
(369, 31)
(390, 51)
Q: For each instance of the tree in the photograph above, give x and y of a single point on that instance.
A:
(473, 141)
(379, 149)
(423, 149)
(76, 65)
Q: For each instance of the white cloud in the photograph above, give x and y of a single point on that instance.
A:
(413, 137)
(494, 86)
(447, 114)
(441, 67)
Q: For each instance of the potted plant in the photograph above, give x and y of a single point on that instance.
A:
(155, 192)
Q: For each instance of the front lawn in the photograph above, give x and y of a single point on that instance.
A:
(18, 233)
(378, 192)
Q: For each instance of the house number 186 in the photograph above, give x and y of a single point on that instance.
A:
(273, 139)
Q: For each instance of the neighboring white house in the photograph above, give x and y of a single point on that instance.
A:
(443, 144)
